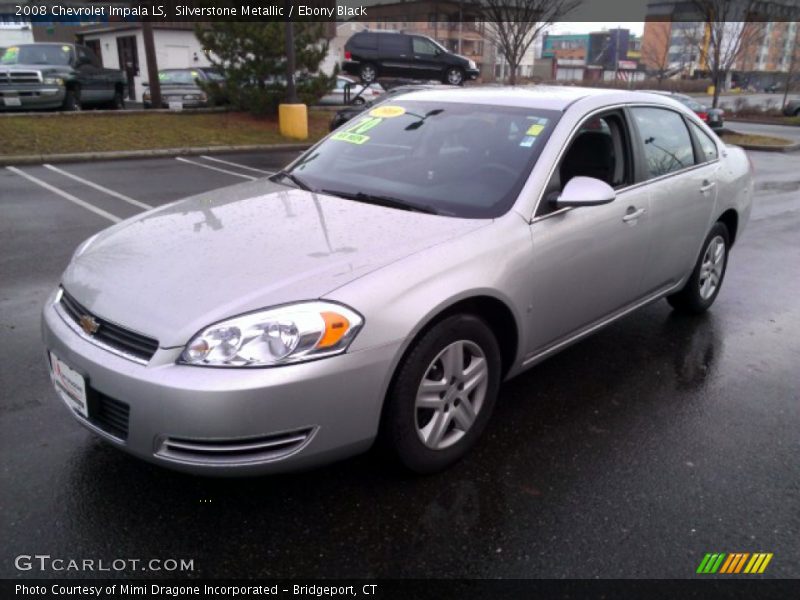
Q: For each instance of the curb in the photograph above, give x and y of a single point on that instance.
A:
(101, 112)
(792, 147)
(30, 159)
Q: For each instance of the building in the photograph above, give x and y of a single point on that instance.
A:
(121, 46)
(675, 43)
(607, 55)
(14, 31)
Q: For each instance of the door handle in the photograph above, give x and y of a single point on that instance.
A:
(707, 186)
(633, 214)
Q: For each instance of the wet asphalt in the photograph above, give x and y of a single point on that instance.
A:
(630, 454)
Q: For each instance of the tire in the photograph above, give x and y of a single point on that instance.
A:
(72, 100)
(453, 76)
(118, 102)
(368, 73)
(359, 101)
(411, 414)
(704, 283)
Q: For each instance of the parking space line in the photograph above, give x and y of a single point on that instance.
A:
(99, 187)
(197, 164)
(67, 196)
(237, 165)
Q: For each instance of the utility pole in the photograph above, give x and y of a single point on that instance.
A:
(152, 64)
(291, 90)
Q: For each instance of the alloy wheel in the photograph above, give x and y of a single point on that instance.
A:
(451, 394)
(712, 267)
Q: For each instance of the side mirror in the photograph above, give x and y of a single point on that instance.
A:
(585, 191)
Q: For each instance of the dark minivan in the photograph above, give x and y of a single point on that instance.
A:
(373, 54)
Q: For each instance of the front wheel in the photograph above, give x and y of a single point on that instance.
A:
(443, 395)
(72, 100)
(704, 283)
(454, 76)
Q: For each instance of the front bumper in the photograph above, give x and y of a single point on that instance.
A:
(227, 421)
(31, 98)
(472, 73)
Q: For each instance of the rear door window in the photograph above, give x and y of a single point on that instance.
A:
(366, 40)
(665, 139)
(394, 44)
(708, 149)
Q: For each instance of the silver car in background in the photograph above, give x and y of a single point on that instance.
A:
(388, 281)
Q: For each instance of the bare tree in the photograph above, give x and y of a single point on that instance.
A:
(729, 32)
(794, 66)
(655, 48)
(512, 25)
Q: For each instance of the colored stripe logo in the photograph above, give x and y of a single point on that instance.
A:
(737, 562)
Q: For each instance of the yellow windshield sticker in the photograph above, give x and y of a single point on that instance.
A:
(387, 112)
(65, 48)
(535, 129)
(350, 138)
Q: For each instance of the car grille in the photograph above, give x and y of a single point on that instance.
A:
(11, 77)
(109, 335)
(109, 415)
(233, 451)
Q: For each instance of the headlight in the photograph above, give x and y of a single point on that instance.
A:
(472, 65)
(287, 334)
(146, 97)
(52, 81)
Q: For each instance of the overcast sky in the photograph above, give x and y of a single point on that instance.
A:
(636, 27)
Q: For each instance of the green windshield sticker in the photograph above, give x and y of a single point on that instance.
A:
(11, 54)
(354, 133)
(162, 76)
(350, 138)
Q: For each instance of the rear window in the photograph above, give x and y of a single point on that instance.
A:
(463, 160)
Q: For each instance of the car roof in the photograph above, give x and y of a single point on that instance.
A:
(548, 97)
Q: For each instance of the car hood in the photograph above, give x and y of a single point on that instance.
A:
(43, 68)
(171, 271)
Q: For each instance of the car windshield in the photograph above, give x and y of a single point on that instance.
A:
(464, 160)
(183, 77)
(37, 54)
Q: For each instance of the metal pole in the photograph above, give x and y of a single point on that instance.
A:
(291, 91)
(152, 64)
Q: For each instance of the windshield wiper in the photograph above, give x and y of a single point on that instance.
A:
(386, 201)
(293, 178)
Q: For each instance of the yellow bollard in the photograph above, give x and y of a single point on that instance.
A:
(710, 90)
(293, 120)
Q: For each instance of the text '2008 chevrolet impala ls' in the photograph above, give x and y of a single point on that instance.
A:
(388, 280)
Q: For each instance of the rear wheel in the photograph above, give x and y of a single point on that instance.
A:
(443, 394)
(705, 281)
(453, 76)
(368, 73)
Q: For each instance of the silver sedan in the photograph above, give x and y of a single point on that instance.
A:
(385, 283)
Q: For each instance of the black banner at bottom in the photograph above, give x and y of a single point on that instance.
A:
(485, 589)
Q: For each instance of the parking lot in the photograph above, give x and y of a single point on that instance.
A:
(631, 454)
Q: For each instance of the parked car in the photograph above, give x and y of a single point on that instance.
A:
(182, 86)
(390, 278)
(373, 54)
(359, 94)
(57, 75)
(714, 117)
(349, 112)
(792, 108)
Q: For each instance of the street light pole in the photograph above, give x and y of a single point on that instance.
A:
(152, 63)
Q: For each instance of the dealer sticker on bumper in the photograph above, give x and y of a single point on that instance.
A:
(70, 385)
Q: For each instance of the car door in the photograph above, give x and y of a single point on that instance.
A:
(681, 177)
(89, 76)
(588, 262)
(395, 58)
(427, 64)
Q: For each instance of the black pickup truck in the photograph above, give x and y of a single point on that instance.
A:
(55, 75)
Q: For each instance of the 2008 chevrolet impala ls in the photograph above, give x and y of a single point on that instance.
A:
(386, 282)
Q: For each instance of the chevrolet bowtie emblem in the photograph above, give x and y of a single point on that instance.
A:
(88, 324)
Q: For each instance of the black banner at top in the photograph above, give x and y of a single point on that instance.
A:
(379, 11)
